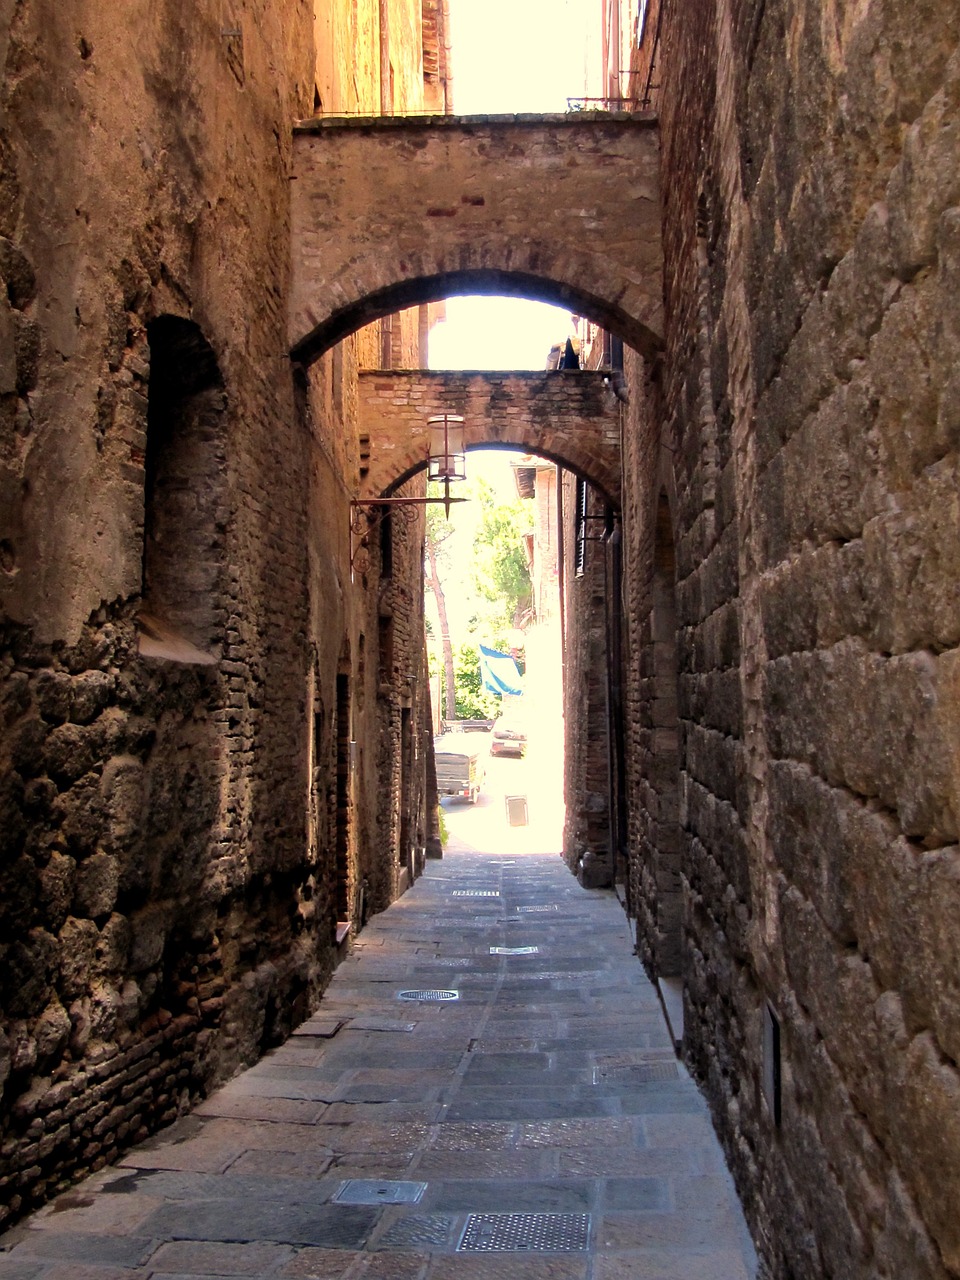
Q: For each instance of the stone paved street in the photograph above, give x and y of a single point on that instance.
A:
(536, 1126)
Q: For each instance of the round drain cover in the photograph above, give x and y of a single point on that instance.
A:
(429, 995)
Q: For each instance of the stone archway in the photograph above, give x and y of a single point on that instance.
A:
(390, 212)
(566, 416)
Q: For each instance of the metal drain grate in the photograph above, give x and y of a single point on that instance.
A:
(635, 1073)
(369, 1191)
(547, 907)
(476, 893)
(525, 1232)
(514, 951)
(417, 1229)
(428, 995)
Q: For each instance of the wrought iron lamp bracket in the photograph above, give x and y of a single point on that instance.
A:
(367, 514)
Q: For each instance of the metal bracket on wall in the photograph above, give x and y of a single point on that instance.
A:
(367, 515)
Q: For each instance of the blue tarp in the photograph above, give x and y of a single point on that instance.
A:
(499, 672)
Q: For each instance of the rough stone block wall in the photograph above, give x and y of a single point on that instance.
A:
(152, 860)
(809, 392)
(168, 893)
(656, 721)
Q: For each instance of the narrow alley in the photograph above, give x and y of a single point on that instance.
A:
(488, 1088)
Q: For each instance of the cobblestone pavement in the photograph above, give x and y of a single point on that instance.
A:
(536, 1126)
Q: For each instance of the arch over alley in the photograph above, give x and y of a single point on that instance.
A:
(569, 416)
(394, 211)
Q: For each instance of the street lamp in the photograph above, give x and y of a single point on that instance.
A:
(446, 459)
(446, 463)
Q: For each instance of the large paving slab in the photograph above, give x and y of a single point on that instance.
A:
(529, 1119)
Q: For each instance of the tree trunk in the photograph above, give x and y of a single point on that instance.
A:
(450, 694)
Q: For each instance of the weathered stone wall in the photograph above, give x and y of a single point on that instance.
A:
(391, 212)
(586, 708)
(808, 399)
(407, 820)
(153, 861)
(367, 628)
(175, 578)
(653, 728)
(373, 58)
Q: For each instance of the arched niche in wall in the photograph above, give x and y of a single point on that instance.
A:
(185, 511)
(666, 745)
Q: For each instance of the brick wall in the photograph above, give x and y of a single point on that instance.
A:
(388, 213)
(570, 416)
(586, 703)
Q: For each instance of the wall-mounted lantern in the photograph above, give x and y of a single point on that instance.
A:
(447, 459)
(446, 464)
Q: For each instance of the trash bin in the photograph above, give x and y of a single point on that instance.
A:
(516, 810)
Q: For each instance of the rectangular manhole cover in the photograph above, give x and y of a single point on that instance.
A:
(370, 1191)
(476, 893)
(428, 995)
(544, 907)
(417, 1229)
(514, 951)
(525, 1232)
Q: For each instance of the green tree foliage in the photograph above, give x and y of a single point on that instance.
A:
(473, 701)
(436, 539)
(500, 571)
(493, 574)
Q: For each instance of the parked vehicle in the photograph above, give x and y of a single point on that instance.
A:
(467, 726)
(459, 766)
(509, 739)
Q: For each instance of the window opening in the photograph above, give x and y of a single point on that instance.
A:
(185, 512)
(580, 559)
(584, 520)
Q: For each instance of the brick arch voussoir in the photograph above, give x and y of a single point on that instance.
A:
(411, 463)
(388, 279)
